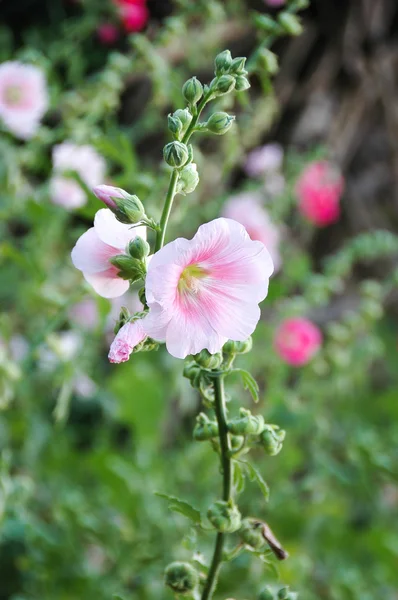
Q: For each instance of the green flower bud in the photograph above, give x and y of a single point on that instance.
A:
(241, 83)
(230, 347)
(174, 125)
(193, 373)
(266, 23)
(246, 424)
(219, 123)
(251, 534)
(290, 23)
(207, 360)
(224, 85)
(238, 66)
(139, 248)
(266, 594)
(236, 442)
(188, 179)
(183, 115)
(204, 428)
(223, 62)
(283, 594)
(129, 268)
(175, 154)
(129, 210)
(181, 577)
(192, 90)
(268, 61)
(271, 439)
(142, 296)
(224, 516)
(244, 347)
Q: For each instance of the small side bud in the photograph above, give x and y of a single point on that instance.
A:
(184, 116)
(174, 125)
(238, 66)
(129, 268)
(266, 594)
(246, 423)
(224, 516)
(139, 248)
(251, 534)
(230, 347)
(219, 123)
(175, 154)
(272, 439)
(204, 429)
(181, 577)
(193, 373)
(207, 360)
(188, 180)
(222, 62)
(244, 347)
(127, 208)
(268, 61)
(290, 23)
(241, 83)
(283, 593)
(224, 85)
(192, 90)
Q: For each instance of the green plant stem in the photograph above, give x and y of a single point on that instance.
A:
(171, 192)
(226, 465)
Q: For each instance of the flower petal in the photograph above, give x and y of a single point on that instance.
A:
(128, 337)
(107, 284)
(114, 233)
(90, 254)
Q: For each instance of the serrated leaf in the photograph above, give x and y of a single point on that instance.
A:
(249, 383)
(255, 475)
(182, 507)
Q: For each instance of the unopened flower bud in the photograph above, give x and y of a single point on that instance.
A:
(224, 85)
(244, 347)
(219, 123)
(266, 594)
(251, 533)
(238, 66)
(129, 268)
(272, 439)
(207, 360)
(224, 516)
(188, 179)
(126, 208)
(184, 116)
(268, 61)
(223, 62)
(241, 83)
(266, 23)
(175, 154)
(283, 594)
(192, 90)
(193, 373)
(290, 23)
(181, 577)
(204, 428)
(174, 125)
(107, 193)
(230, 347)
(138, 248)
(246, 423)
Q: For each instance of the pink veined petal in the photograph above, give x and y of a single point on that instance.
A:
(90, 254)
(155, 323)
(114, 233)
(173, 252)
(107, 284)
(161, 284)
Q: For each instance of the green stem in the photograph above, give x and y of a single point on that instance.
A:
(226, 465)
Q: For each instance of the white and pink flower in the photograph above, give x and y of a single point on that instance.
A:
(246, 209)
(128, 337)
(86, 162)
(95, 248)
(319, 190)
(297, 340)
(204, 291)
(23, 98)
(264, 159)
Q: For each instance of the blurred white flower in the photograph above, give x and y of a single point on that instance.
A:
(264, 159)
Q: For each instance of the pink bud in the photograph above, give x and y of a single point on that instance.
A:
(128, 337)
(108, 33)
(297, 340)
(106, 193)
(319, 189)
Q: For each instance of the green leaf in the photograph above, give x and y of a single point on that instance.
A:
(249, 383)
(180, 506)
(255, 475)
(238, 477)
(117, 597)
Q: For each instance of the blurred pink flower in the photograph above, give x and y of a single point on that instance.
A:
(84, 386)
(319, 190)
(105, 193)
(96, 246)
(87, 163)
(23, 98)
(128, 337)
(85, 314)
(265, 159)
(108, 33)
(247, 210)
(206, 290)
(134, 14)
(275, 2)
(297, 340)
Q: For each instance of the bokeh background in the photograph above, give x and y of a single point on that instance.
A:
(85, 444)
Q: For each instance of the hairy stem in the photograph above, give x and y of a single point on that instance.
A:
(226, 466)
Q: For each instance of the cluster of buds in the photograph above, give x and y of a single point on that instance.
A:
(256, 431)
(224, 516)
(132, 265)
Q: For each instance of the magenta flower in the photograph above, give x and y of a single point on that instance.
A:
(23, 98)
(134, 14)
(108, 33)
(247, 210)
(96, 246)
(319, 190)
(128, 337)
(263, 160)
(204, 291)
(297, 340)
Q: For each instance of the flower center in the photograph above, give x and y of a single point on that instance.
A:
(190, 279)
(13, 95)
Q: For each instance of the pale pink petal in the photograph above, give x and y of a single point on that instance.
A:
(107, 284)
(156, 322)
(128, 337)
(114, 233)
(90, 254)
(190, 333)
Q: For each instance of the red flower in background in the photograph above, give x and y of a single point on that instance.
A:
(134, 14)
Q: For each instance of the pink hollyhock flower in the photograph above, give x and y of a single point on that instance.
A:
(23, 98)
(96, 246)
(85, 314)
(87, 163)
(263, 160)
(247, 210)
(108, 33)
(204, 291)
(297, 340)
(128, 337)
(134, 14)
(319, 190)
